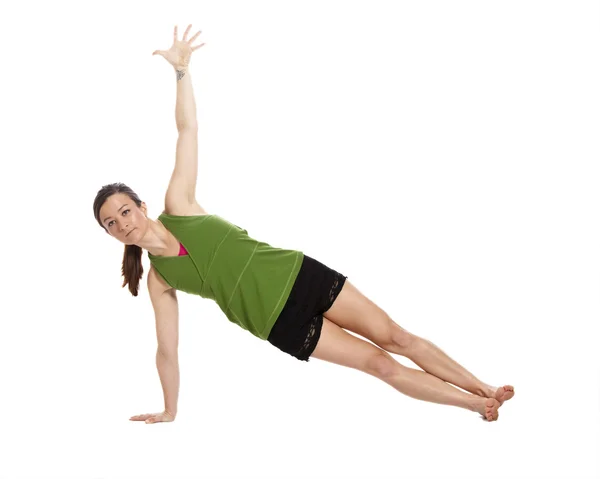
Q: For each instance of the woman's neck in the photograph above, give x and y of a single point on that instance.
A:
(158, 240)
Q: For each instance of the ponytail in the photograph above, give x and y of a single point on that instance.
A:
(132, 268)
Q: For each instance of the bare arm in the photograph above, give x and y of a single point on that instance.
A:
(168, 370)
(182, 186)
(185, 105)
(166, 312)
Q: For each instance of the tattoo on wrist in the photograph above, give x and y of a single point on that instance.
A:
(180, 74)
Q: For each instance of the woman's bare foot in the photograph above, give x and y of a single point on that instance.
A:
(488, 408)
(502, 394)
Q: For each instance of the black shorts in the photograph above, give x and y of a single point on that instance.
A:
(298, 326)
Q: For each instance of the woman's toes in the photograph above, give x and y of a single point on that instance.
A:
(509, 392)
(491, 409)
(504, 393)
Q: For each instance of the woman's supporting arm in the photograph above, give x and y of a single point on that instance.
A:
(168, 370)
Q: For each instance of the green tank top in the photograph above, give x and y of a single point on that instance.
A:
(250, 280)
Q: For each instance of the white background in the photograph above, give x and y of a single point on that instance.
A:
(442, 155)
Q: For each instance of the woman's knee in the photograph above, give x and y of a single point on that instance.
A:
(380, 364)
(400, 339)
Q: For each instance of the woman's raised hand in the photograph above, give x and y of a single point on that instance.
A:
(181, 51)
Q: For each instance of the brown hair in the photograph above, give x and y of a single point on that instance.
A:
(132, 268)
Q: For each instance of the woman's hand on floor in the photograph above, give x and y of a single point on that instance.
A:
(155, 417)
(181, 51)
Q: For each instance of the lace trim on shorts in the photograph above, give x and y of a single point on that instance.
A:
(332, 291)
(309, 337)
(309, 340)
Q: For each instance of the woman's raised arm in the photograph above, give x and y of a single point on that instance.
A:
(182, 187)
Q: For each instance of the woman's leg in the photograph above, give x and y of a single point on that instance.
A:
(355, 312)
(340, 347)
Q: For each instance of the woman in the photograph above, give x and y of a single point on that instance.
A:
(295, 302)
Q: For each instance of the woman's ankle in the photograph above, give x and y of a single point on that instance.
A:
(487, 391)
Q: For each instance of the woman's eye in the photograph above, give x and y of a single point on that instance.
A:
(110, 222)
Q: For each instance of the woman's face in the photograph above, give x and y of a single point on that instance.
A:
(122, 218)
